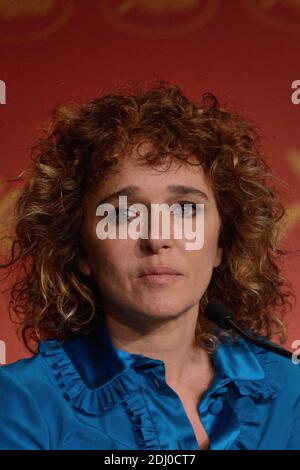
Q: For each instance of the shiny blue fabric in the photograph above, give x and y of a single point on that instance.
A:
(87, 394)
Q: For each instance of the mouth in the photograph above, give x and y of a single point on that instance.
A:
(159, 275)
(158, 270)
(159, 279)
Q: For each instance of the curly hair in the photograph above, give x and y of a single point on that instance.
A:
(81, 145)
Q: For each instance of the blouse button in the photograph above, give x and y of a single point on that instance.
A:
(215, 407)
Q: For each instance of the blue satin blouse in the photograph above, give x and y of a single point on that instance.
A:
(88, 394)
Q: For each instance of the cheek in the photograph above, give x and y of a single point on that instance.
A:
(200, 269)
(202, 261)
(210, 233)
(109, 257)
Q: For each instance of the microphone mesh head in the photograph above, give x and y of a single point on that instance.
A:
(218, 313)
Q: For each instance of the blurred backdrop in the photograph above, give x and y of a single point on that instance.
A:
(247, 52)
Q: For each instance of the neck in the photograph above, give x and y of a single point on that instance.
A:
(171, 341)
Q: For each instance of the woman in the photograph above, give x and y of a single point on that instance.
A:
(124, 357)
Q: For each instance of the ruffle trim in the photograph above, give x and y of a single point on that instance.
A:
(93, 401)
(142, 423)
(96, 401)
(122, 387)
(247, 394)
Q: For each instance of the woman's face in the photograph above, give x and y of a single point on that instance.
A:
(117, 263)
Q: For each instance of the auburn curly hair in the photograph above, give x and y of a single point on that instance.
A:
(80, 145)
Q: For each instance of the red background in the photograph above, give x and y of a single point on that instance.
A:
(245, 51)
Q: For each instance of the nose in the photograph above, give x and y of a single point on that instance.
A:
(155, 245)
(157, 238)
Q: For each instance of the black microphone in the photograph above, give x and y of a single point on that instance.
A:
(218, 313)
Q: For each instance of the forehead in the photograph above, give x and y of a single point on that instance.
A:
(135, 170)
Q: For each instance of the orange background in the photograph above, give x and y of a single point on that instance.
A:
(245, 51)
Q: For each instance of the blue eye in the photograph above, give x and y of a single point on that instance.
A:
(124, 214)
(188, 209)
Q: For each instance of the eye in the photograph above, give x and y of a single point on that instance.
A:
(188, 209)
(124, 213)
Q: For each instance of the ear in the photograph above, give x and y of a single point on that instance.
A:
(84, 267)
(218, 257)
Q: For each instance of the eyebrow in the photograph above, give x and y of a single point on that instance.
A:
(173, 188)
(182, 190)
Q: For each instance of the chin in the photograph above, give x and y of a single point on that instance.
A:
(160, 312)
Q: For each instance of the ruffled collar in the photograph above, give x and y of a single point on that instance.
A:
(94, 376)
(246, 376)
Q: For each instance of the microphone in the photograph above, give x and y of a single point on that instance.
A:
(218, 313)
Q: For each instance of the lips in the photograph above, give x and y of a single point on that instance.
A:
(158, 270)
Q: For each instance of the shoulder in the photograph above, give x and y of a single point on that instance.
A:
(258, 371)
(24, 371)
(19, 370)
(281, 371)
(23, 388)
